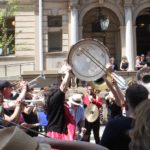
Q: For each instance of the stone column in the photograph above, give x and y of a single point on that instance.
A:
(40, 36)
(73, 25)
(134, 41)
(129, 37)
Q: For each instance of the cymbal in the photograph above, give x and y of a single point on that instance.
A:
(91, 113)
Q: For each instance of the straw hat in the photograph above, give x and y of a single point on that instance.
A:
(13, 138)
(75, 99)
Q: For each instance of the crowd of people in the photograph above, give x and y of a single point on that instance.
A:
(141, 61)
(67, 126)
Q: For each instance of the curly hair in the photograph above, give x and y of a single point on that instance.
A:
(140, 134)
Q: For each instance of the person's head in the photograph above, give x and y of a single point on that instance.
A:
(13, 138)
(112, 60)
(142, 57)
(90, 90)
(137, 57)
(76, 99)
(135, 94)
(6, 89)
(140, 134)
(124, 58)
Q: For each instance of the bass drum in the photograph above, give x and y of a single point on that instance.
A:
(88, 59)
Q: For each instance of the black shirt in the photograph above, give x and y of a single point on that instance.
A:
(55, 112)
(115, 136)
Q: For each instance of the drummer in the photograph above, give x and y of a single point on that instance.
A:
(91, 97)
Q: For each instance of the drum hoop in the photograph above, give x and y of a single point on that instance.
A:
(101, 46)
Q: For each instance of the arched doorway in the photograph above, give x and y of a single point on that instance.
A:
(143, 31)
(110, 37)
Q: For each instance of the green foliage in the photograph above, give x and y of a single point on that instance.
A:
(9, 10)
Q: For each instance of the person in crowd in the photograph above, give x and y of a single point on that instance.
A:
(143, 60)
(6, 116)
(91, 97)
(140, 134)
(112, 107)
(77, 111)
(116, 133)
(115, 98)
(14, 138)
(137, 62)
(124, 64)
(148, 59)
(30, 120)
(60, 124)
(113, 63)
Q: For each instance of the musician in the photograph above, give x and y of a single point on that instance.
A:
(115, 135)
(4, 114)
(91, 97)
(59, 120)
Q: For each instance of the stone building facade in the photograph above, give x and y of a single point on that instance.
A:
(48, 28)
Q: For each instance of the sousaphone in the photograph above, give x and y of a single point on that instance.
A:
(88, 59)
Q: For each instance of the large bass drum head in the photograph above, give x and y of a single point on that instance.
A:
(88, 59)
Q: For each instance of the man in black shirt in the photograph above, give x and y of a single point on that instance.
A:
(115, 136)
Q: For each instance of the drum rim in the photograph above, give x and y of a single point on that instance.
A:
(72, 51)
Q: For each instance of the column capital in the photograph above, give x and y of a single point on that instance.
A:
(73, 4)
(101, 1)
(128, 3)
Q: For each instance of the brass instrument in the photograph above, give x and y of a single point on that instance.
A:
(37, 81)
(40, 101)
(143, 77)
(88, 59)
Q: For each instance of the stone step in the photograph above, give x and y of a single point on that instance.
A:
(11, 78)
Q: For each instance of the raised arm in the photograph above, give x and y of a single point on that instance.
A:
(65, 81)
(119, 98)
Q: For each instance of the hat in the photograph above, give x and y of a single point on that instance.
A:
(75, 99)
(4, 83)
(17, 139)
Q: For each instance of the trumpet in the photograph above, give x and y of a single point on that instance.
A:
(32, 102)
(37, 81)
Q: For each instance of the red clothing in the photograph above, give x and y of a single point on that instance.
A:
(70, 135)
(97, 102)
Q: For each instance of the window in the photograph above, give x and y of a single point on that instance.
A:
(7, 36)
(54, 21)
(54, 41)
(54, 33)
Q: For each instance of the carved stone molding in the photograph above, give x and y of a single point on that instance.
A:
(128, 2)
(101, 1)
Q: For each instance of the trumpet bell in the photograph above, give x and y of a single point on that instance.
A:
(143, 77)
(100, 84)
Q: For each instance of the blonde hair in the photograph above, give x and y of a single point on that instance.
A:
(140, 134)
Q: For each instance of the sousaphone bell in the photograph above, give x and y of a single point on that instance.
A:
(88, 59)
